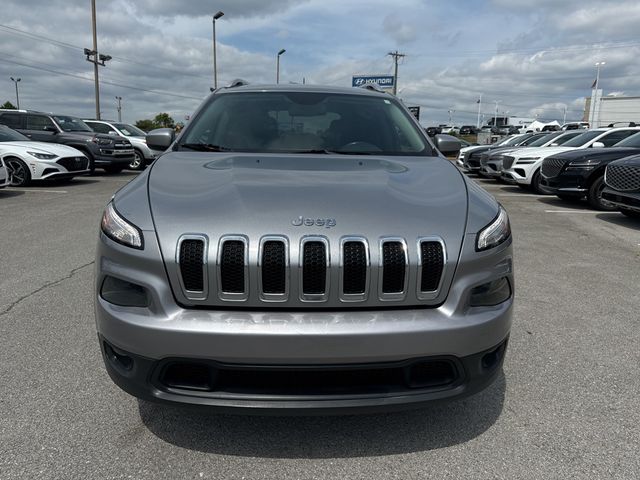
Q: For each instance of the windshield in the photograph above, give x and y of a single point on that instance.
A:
(8, 135)
(632, 141)
(532, 139)
(512, 140)
(129, 130)
(71, 124)
(542, 141)
(583, 138)
(305, 122)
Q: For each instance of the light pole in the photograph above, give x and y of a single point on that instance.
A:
(96, 58)
(479, 102)
(450, 113)
(495, 118)
(119, 99)
(594, 95)
(278, 65)
(215, 65)
(16, 80)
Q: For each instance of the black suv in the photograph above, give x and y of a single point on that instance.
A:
(112, 154)
(579, 173)
(622, 189)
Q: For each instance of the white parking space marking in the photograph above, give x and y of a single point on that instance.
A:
(572, 211)
(37, 191)
(519, 195)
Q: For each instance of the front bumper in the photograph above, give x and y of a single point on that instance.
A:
(568, 182)
(628, 200)
(318, 339)
(109, 156)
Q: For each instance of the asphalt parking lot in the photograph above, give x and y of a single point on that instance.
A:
(566, 406)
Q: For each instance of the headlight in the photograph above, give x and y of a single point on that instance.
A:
(119, 230)
(495, 233)
(42, 156)
(583, 164)
(525, 160)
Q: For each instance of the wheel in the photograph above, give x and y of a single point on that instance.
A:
(138, 161)
(630, 213)
(113, 169)
(536, 184)
(20, 175)
(594, 196)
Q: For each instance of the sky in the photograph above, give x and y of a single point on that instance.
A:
(535, 59)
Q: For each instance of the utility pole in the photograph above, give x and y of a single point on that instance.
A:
(450, 117)
(94, 57)
(119, 99)
(564, 115)
(479, 108)
(495, 118)
(395, 56)
(16, 80)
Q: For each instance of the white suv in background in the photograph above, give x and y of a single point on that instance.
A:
(523, 166)
(138, 138)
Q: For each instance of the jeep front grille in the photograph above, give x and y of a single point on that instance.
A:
(304, 270)
(624, 178)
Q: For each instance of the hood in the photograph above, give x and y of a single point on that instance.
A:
(43, 147)
(540, 151)
(602, 154)
(299, 195)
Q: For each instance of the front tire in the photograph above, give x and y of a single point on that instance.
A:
(20, 174)
(138, 162)
(536, 183)
(594, 197)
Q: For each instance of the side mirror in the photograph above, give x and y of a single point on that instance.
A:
(49, 128)
(597, 145)
(160, 138)
(447, 144)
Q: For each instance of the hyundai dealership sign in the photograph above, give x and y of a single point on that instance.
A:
(383, 81)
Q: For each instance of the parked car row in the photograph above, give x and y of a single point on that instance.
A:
(45, 146)
(572, 164)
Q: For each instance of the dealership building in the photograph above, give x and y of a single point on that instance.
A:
(601, 111)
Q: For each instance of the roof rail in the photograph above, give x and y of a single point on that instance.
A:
(238, 82)
(373, 86)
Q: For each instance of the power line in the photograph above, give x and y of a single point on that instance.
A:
(57, 72)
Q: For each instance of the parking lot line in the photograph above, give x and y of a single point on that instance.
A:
(37, 190)
(519, 195)
(572, 211)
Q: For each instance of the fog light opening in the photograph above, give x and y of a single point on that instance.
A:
(188, 376)
(118, 358)
(123, 293)
(492, 359)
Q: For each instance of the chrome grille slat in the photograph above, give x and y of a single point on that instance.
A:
(624, 178)
(354, 269)
(394, 263)
(233, 268)
(314, 269)
(191, 258)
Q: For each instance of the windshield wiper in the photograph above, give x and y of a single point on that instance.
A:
(204, 147)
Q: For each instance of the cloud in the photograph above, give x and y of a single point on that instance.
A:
(401, 31)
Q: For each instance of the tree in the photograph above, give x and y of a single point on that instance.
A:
(145, 124)
(164, 120)
(8, 105)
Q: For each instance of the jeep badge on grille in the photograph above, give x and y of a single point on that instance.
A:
(310, 222)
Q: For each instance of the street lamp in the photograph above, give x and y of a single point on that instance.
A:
(16, 80)
(594, 95)
(215, 66)
(278, 65)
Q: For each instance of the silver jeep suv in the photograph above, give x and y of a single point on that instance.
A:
(302, 249)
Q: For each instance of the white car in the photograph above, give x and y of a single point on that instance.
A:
(143, 154)
(522, 167)
(26, 161)
(5, 177)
